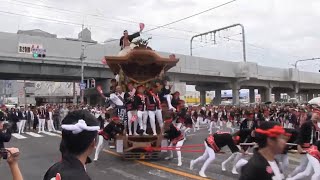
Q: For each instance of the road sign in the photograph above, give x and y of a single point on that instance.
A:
(83, 86)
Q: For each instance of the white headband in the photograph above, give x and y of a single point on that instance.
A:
(79, 127)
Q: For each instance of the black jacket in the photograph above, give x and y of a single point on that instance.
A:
(70, 168)
(257, 168)
(112, 129)
(306, 130)
(5, 137)
(140, 103)
(2, 116)
(129, 102)
(172, 133)
(130, 38)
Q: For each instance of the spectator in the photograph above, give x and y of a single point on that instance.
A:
(79, 130)
(12, 159)
(271, 141)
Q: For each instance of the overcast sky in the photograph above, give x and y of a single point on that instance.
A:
(278, 32)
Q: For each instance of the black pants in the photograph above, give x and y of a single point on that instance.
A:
(29, 124)
(35, 123)
(14, 127)
(56, 123)
(225, 140)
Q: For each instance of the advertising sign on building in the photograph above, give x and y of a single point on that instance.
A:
(25, 48)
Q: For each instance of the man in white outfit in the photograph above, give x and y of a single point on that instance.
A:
(50, 122)
(42, 119)
(23, 120)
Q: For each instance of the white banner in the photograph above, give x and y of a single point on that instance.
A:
(25, 48)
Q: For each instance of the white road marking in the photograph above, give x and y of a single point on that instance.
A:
(50, 134)
(126, 174)
(34, 134)
(18, 136)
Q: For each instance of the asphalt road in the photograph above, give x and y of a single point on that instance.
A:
(39, 153)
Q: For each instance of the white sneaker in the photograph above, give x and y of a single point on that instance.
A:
(145, 134)
(168, 158)
(130, 133)
(180, 164)
(202, 174)
(223, 166)
(95, 159)
(136, 134)
(191, 164)
(234, 170)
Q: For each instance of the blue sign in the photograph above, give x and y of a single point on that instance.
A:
(83, 86)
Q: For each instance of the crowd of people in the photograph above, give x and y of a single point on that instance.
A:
(153, 110)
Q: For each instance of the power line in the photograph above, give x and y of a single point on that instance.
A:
(193, 15)
(42, 18)
(101, 17)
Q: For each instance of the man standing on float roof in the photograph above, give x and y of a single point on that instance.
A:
(126, 39)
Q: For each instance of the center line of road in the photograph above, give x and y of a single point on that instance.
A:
(173, 171)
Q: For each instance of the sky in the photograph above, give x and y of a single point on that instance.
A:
(278, 32)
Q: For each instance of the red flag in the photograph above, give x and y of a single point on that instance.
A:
(99, 89)
(104, 61)
(141, 25)
(134, 118)
(58, 176)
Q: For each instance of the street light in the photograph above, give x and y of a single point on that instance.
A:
(82, 58)
(301, 60)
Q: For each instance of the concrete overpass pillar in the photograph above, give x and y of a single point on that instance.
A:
(252, 95)
(262, 95)
(265, 94)
(235, 94)
(292, 94)
(268, 94)
(303, 97)
(217, 97)
(310, 96)
(202, 97)
(277, 96)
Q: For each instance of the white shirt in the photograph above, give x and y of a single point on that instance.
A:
(115, 99)
(277, 174)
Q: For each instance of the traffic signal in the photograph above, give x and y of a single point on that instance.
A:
(38, 53)
(92, 83)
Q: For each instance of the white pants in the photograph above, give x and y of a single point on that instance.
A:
(153, 115)
(178, 145)
(213, 124)
(135, 123)
(305, 171)
(169, 97)
(198, 122)
(99, 148)
(125, 50)
(208, 156)
(283, 160)
(143, 117)
(235, 157)
(42, 122)
(51, 126)
(22, 124)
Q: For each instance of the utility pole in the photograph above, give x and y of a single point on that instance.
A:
(24, 93)
(82, 66)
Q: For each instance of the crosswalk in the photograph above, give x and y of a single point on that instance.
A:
(27, 135)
